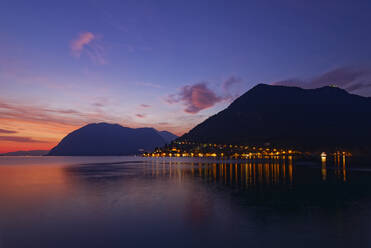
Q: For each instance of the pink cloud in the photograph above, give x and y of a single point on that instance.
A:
(145, 105)
(140, 115)
(88, 42)
(195, 97)
(78, 44)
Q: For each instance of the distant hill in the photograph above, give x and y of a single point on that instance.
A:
(103, 139)
(307, 119)
(167, 136)
(26, 153)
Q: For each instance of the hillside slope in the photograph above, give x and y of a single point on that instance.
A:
(103, 139)
(307, 119)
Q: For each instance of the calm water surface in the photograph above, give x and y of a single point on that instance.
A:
(138, 202)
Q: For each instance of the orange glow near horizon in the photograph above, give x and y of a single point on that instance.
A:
(26, 126)
(37, 135)
(31, 135)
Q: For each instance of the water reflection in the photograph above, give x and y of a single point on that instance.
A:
(132, 202)
(324, 169)
(244, 174)
(269, 172)
(340, 167)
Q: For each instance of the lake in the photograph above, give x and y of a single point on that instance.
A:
(182, 202)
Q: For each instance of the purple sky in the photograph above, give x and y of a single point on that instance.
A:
(166, 64)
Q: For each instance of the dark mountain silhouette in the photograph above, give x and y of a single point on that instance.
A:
(103, 139)
(26, 153)
(167, 136)
(307, 119)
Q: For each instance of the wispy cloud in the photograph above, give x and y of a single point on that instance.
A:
(228, 86)
(358, 86)
(82, 40)
(4, 131)
(229, 82)
(20, 139)
(41, 127)
(88, 43)
(101, 102)
(49, 115)
(349, 78)
(163, 123)
(145, 105)
(61, 111)
(195, 97)
(98, 104)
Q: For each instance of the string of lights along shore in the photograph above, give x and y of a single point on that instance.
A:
(192, 149)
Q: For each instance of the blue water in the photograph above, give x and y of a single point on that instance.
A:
(143, 202)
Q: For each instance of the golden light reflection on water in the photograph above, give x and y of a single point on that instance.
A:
(324, 169)
(269, 172)
(251, 173)
(340, 168)
(38, 182)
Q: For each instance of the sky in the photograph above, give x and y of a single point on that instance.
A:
(165, 64)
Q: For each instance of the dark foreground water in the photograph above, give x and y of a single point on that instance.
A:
(137, 202)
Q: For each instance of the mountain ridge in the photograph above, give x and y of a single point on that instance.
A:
(309, 119)
(105, 139)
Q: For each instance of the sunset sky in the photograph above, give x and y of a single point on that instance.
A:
(165, 64)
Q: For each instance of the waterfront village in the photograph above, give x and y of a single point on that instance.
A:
(192, 149)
